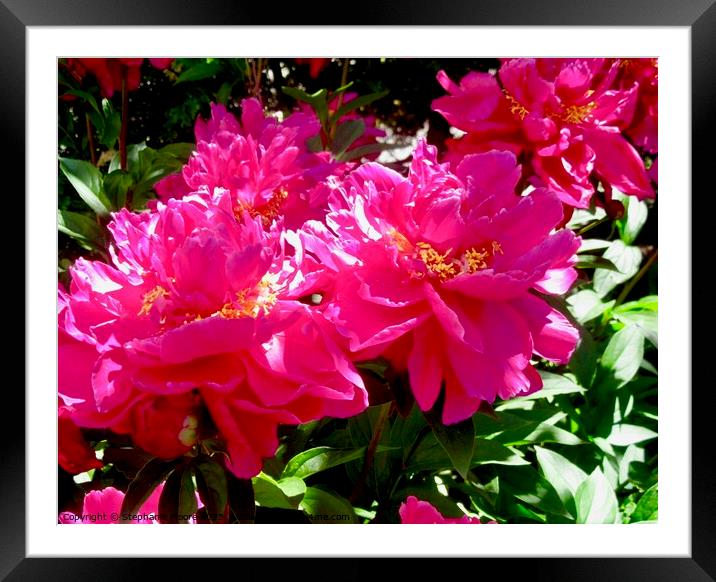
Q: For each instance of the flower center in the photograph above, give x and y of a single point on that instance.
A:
(268, 211)
(249, 302)
(567, 114)
(150, 297)
(444, 266)
(576, 113)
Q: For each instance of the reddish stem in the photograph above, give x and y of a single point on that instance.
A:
(125, 115)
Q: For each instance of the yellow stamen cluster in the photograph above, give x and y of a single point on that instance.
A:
(576, 113)
(267, 211)
(446, 268)
(250, 302)
(150, 297)
(516, 108)
(436, 263)
(568, 114)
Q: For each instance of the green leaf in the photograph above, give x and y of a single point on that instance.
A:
(177, 503)
(368, 149)
(148, 478)
(633, 454)
(585, 305)
(80, 227)
(224, 92)
(179, 150)
(212, 487)
(596, 501)
(285, 493)
(635, 215)
(527, 485)
(89, 98)
(648, 507)
(584, 359)
(623, 355)
(116, 186)
(592, 244)
(623, 435)
(111, 125)
(564, 476)
(489, 452)
(430, 455)
(594, 262)
(357, 103)
(316, 100)
(625, 258)
(201, 70)
(321, 458)
(346, 133)
(646, 321)
(458, 440)
(553, 385)
(87, 180)
(323, 506)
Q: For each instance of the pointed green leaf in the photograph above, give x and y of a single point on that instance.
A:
(648, 507)
(212, 487)
(358, 102)
(458, 440)
(285, 493)
(596, 501)
(148, 478)
(346, 133)
(321, 458)
(623, 355)
(564, 476)
(323, 506)
(80, 227)
(625, 258)
(87, 180)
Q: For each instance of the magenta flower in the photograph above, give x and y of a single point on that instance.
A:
(105, 505)
(644, 74)
(108, 72)
(414, 510)
(198, 312)
(266, 165)
(438, 272)
(562, 116)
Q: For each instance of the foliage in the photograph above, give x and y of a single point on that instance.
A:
(583, 449)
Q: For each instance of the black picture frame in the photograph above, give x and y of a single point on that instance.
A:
(698, 15)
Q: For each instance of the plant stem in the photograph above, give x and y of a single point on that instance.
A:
(259, 74)
(592, 225)
(339, 103)
(370, 452)
(634, 280)
(125, 116)
(90, 140)
(416, 443)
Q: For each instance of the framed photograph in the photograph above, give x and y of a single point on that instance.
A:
(401, 271)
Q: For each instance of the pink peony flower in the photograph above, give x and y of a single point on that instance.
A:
(644, 74)
(414, 510)
(562, 116)
(266, 165)
(108, 72)
(199, 310)
(105, 505)
(439, 271)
